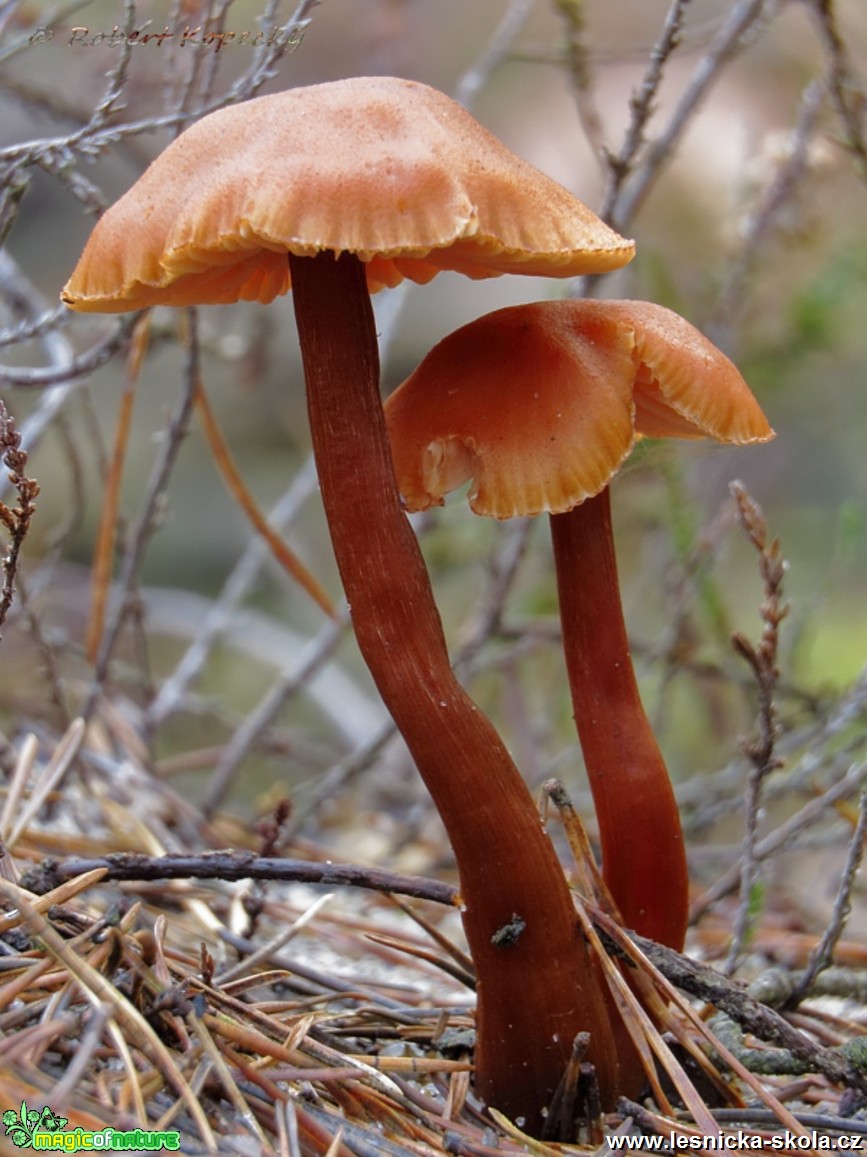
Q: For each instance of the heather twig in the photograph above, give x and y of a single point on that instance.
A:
(15, 519)
(742, 21)
(642, 106)
(762, 659)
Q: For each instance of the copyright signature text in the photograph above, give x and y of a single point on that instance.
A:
(82, 36)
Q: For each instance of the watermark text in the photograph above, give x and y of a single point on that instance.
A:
(191, 36)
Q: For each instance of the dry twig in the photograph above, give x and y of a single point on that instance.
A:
(15, 519)
(763, 662)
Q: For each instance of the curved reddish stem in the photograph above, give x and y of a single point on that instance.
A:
(537, 985)
(643, 858)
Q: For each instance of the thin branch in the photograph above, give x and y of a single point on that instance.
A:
(495, 52)
(642, 105)
(823, 955)
(288, 37)
(79, 366)
(223, 612)
(705, 983)
(247, 866)
(237, 487)
(847, 95)
(577, 59)
(145, 525)
(762, 659)
(787, 183)
(743, 19)
(286, 685)
(785, 834)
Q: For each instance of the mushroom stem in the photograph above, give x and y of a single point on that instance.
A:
(537, 985)
(643, 859)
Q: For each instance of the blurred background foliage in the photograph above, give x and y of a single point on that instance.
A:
(751, 224)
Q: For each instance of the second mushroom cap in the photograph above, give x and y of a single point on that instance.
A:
(540, 404)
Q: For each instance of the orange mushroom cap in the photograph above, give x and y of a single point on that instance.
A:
(540, 404)
(390, 170)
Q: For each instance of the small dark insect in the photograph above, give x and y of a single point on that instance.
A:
(510, 933)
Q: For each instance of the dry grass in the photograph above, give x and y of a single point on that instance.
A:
(257, 1016)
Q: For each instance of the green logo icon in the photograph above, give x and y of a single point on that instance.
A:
(42, 1129)
(20, 1127)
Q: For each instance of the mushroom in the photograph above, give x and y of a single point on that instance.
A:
(363, 182)
(539, 405)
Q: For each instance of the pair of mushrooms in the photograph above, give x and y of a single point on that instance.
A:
(362, 183)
